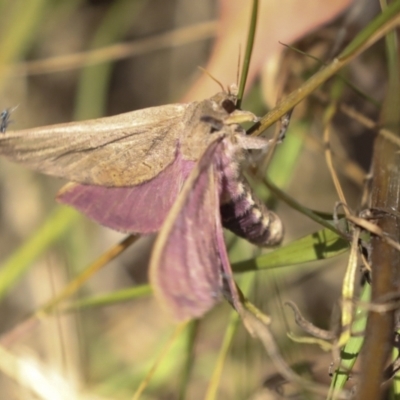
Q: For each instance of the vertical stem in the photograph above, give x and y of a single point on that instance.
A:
(385, 262)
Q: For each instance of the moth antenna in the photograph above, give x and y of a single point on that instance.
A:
(214, 79)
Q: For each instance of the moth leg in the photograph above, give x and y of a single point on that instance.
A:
(229, 288)
(240, 116)
(285, 120)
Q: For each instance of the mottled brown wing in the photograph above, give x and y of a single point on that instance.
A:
(123, 150)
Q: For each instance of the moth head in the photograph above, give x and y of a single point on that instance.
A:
(224, 102)
(222, 111)
(229, 103)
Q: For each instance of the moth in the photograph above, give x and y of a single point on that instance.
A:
(175, 169)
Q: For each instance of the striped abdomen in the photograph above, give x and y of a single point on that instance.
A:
(246, 216)
(241, 211)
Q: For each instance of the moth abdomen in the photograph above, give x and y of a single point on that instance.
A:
(246, 216)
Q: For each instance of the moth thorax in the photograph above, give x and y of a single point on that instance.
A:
(233, 153)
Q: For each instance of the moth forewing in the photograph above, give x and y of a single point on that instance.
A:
(123, 150)
(185, 267)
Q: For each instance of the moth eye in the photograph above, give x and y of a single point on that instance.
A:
(228, 106)
(215, 124)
